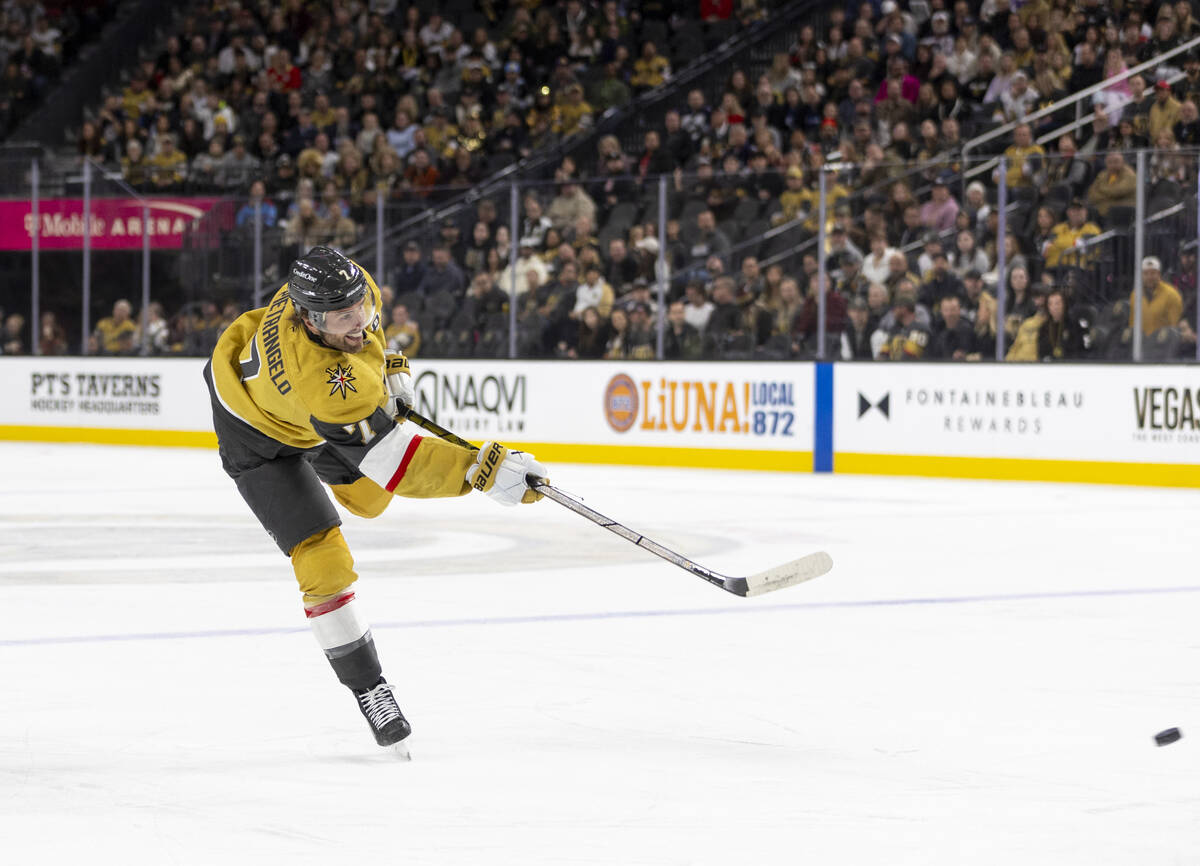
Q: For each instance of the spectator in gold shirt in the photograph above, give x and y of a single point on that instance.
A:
(650, 70)
(1116, 185)
(1162, 305)
(1164, 111)
(403, 334)
(1063, 247)
(574, 114)
(169, 166)
(1024, 158)
(115, 334)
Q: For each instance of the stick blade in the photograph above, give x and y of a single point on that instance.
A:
(781, 576)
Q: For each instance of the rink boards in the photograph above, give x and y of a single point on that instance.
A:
(1089, 423)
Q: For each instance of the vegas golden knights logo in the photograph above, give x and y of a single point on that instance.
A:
(485, 477)
(340, 379)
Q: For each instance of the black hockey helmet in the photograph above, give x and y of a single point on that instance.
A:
(323, 279)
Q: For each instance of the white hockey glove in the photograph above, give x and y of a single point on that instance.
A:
(399, 382)
(500, 474)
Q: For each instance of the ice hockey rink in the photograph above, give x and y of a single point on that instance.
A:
(978, 680)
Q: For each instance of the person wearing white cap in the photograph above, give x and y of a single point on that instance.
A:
(1018, 100)
(1162, 305)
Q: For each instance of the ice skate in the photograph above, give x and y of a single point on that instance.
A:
(388, 724)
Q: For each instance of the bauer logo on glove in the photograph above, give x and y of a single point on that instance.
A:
(501, 474)
(398, 380)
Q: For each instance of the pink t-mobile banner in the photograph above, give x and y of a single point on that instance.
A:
(116, 223)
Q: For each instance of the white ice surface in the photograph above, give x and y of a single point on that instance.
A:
(977, 681)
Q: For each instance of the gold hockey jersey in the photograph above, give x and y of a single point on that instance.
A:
(272, 374)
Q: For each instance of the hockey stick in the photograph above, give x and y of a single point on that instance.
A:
(788, 574)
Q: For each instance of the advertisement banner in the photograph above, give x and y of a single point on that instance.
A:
(1098, 413)
(116, 223)
(755, 407)
(757, 416)
(120, 393)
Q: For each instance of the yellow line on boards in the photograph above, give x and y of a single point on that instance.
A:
(1017, 469)
(110, 436)
(639, 455)
(997, 468)
(557, 452)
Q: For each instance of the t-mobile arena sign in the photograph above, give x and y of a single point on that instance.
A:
(116, 223)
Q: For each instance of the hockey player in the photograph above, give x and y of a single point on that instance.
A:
(303, 393)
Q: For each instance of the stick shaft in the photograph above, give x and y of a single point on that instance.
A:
(552, 492)
(788, 574)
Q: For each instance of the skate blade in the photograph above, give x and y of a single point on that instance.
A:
(400, 750)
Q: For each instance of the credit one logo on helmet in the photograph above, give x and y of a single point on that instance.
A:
(755, 408)
(467, 402)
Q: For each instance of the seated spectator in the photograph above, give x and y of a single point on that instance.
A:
(1024, 159)
(114, 335)
(708, 239)
(52, 337)
(907, 339)
(1061, 336)
(12, 338)
(530, 270)
(168, 168)
(306, 229)
(443, 275)
(574, 115)
(411, 270)
(751, 284)
(1025, 343)
(238, 167)
(725, 329)
(835, 312)
(1020, 301)
(593, 292)
(650, 70)
(1162, 305)
(135, 168)
(939, 282)
(570, 203)
(1068, 170)
(941, 211)
(954, 336)
(1187, 130)
(484, 302)
(1115, 186)
(681, 340)
(856, 337)
(534, 223)
(1069, 238)
(1018, 100)
(475, 255)
(783, 306)
(616, 348)
(1164, 110)
(401, 135)
(698, 308)
(403, 334)
(640, 338)
(590, 339)
(258, 204)
(967, 254)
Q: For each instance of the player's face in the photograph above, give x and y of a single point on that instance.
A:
(344, 329)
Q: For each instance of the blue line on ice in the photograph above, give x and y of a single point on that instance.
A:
(616, 614)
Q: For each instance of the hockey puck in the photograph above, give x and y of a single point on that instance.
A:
(1165, 738)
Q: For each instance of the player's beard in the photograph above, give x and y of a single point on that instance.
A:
(351, 344)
